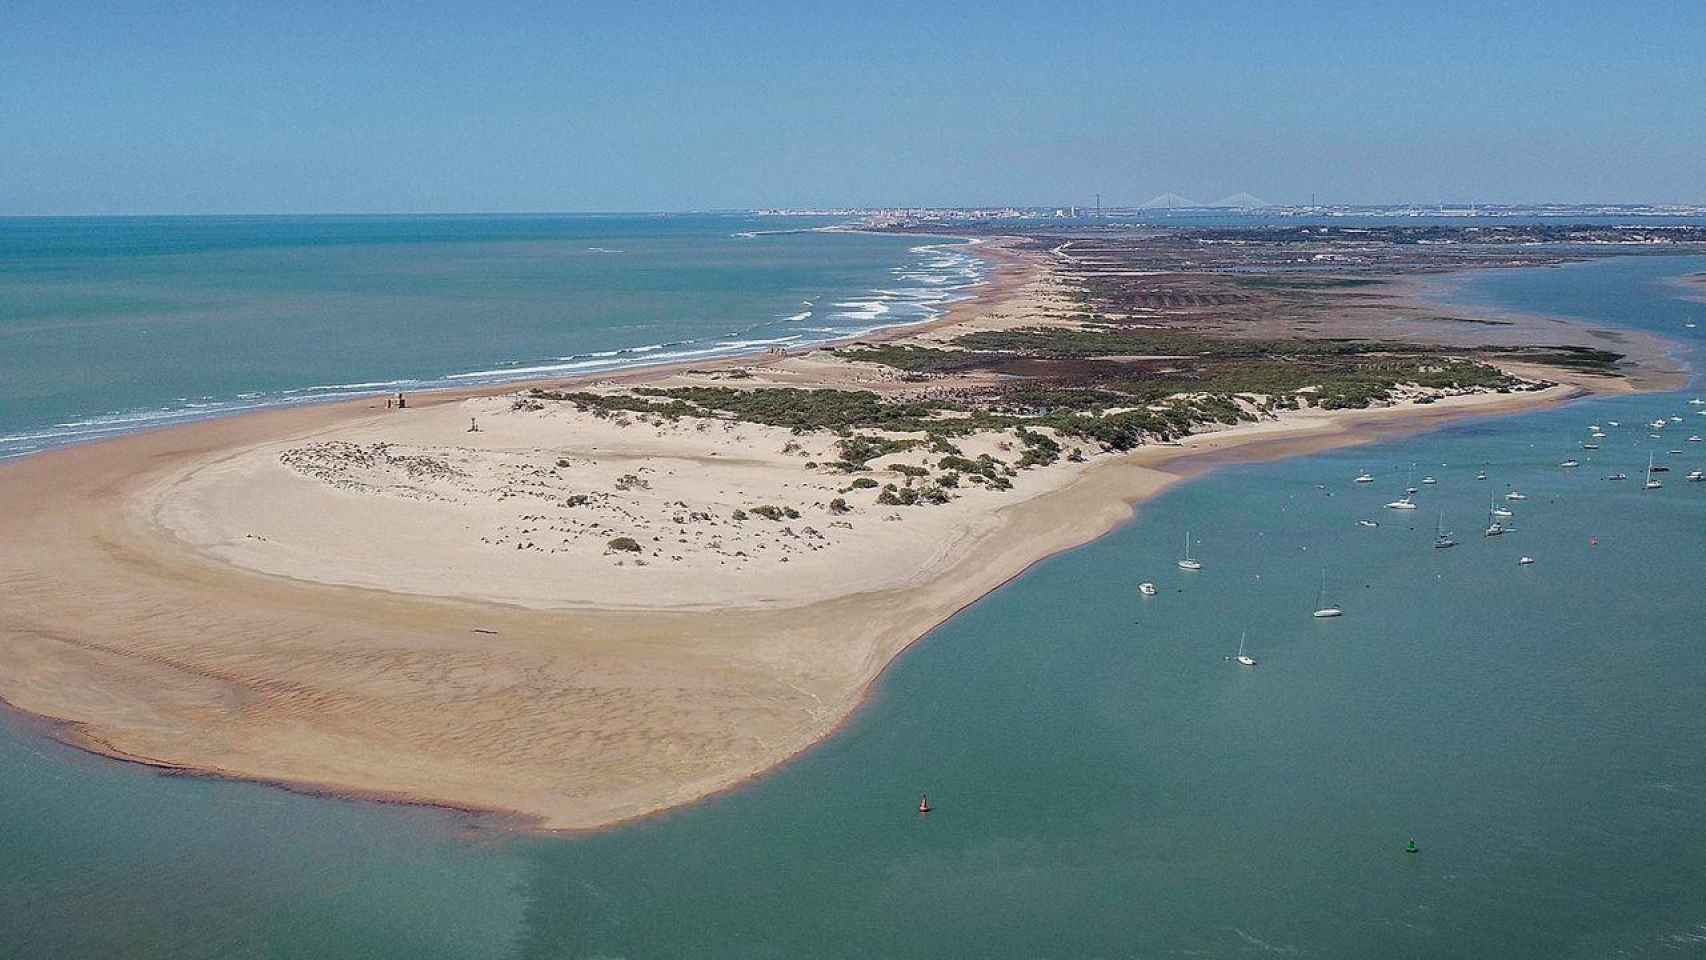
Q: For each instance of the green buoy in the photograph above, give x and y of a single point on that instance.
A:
(1411, 846)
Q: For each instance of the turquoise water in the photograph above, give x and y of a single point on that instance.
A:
(1105, 783)
(107, 324)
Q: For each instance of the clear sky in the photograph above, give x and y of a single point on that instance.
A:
(164, 107)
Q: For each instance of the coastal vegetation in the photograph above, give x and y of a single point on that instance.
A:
(1117, 388)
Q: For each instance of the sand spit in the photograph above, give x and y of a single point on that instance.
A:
(392, 604)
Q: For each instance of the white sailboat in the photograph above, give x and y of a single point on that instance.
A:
(1322, 611)
(1651, 483)
(1187, 563)
(1244, 658)
(1442, 536)
(1494, 527)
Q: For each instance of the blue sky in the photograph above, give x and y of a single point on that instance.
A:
(307, 107)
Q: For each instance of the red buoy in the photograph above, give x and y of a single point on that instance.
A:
(924, 803)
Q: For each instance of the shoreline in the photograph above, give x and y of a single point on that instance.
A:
(1096, 501)
(988, 248)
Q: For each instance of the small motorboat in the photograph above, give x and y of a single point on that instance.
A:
(1695, 476)
(1428, 480)
(1694, 439)
(1618, 476)
(1481, 476)
(1589, 446)
(1513, 495)
(1367, 523)
(1572, 462)
(1365, 477)
(1402, 504)
(1494, 529)
(1675, 419)
(1613, 423)
(1697, 402)
(1146, 588)
(1524, 561)
(1502, 512)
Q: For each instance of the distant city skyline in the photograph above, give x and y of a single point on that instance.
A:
(316, 108)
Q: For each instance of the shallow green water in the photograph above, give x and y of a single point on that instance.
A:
(1106, 784)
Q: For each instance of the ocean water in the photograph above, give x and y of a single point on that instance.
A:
(1105, 782)
(108, 324)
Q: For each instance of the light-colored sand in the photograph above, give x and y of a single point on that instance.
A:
(334, 597)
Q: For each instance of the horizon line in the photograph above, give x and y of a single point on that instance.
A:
(806, 209)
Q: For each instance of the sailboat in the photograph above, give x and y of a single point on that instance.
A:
(1243, 657)
(1187, 563)
(1494, 527)
(1442, 537)
(1651, 484)
(1322, 611)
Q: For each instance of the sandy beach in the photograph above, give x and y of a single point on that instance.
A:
(499, 603)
